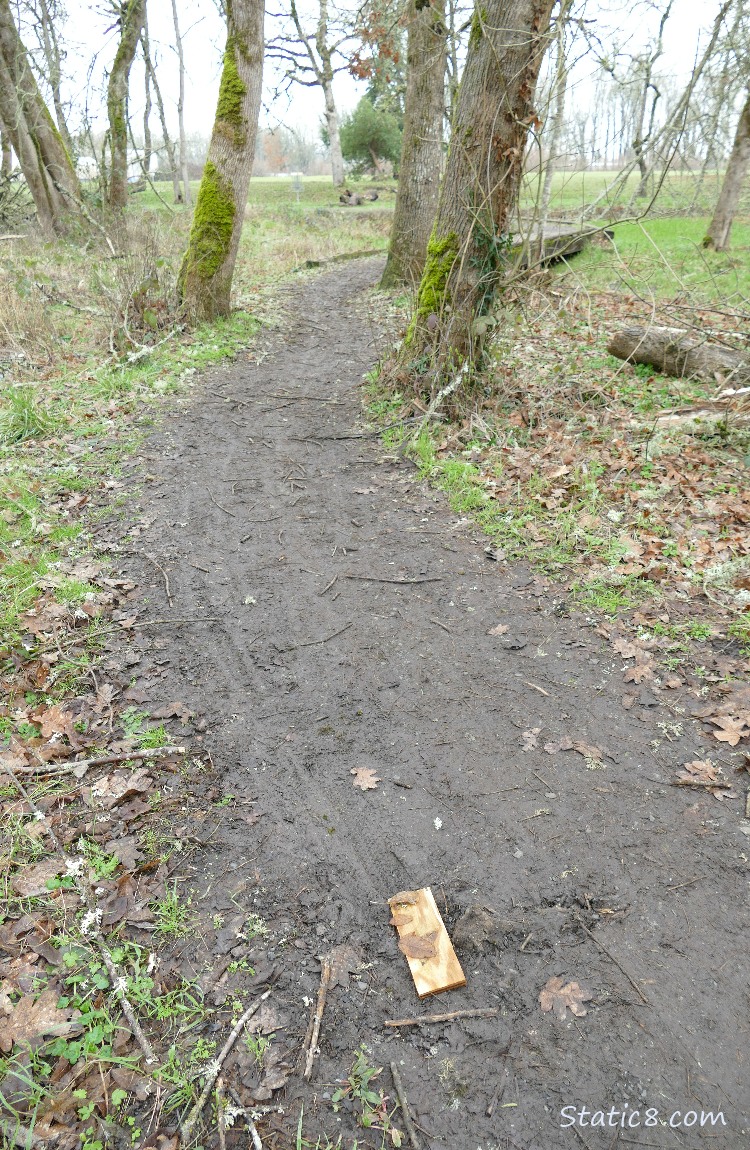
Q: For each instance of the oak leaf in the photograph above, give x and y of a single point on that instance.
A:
(418, 945)
(365, 778)
(559, 996)
(703, 773)
(731, 728)
(34, 1019)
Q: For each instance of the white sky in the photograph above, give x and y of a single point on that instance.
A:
(622, 24)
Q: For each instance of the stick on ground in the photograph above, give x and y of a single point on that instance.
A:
(404, 1103)
(426, 1019)
(314, 1032)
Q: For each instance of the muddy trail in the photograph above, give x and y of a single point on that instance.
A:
(327, 612)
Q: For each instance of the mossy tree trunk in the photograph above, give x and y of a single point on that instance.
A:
(205, 279)
(422, 148)
(27, 124)
(717, 236)
(6, 154)
(131, 26)
(466, 252)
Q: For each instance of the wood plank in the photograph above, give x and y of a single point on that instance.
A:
(425, 942)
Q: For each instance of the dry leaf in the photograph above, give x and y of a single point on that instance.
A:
(626, 649)
(104, 697)
(365, 778)
(418, 946)
(639, 672)
(55, 721)
(558, 995)
(565, 744)
(112, 789)
(405, 898)
(400, 920)
(343, 960)
(703, 773)
(499, 630)
(587, 750)
(32, 880)
(731, 728)
(530, 738)
(34, 1019)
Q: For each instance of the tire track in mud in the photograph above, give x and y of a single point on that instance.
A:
(303, 678)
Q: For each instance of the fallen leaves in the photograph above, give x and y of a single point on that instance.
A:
(418, 946)
(732, 728)
(530, 738)
(32, 1019)
(588, 750)
(560, 996)
(704, 773)
(365, 778)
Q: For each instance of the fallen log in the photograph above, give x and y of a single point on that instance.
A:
(681, 353)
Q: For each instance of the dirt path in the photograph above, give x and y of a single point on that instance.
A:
(349, 628)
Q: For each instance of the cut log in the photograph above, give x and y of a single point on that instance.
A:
(684, 354)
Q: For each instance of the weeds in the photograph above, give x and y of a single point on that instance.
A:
(173, 917)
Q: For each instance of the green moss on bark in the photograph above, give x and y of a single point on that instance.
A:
(232, 92)
(477, 26)
(211, 231)
(433, 289)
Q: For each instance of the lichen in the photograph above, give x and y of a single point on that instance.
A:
(231, 94)
(477, 26)
(433, 296)
(211, 231)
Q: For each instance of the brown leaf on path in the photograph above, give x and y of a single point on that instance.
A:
(559, 996)
(530, 738)
(638, 673)
(704, 773)
(732, 728)
(112, 789)
(104, 697)
(400, 920)
(404, 898)
(587, 750)
(418, 946)
(56, 721)
(31, 881)
(673, 681)
(499, 630)
(625, 648)
(36, 1019)
(343, 960)
(564, 744)
(365, 778)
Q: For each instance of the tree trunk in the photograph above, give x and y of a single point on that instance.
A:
(720, 227)
(6, 165)
(51, 47)
(133, 14)
(683, 354)
(168, 145)
(334, 139)
(465, 255)
(40, 151)
(205, 279)
(147, 102)
(558, 117)
(422, 148)
(181, 106)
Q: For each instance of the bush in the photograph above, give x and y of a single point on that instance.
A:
(370, 138)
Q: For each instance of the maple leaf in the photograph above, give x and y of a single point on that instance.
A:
(558, 995)
(418, 946)
(365, 778)
(731, 728)
(32, 1019)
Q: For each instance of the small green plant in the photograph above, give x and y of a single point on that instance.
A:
(173, 917)
(258, 1044)
(370, 1104)
(22, 417)
(153, 737)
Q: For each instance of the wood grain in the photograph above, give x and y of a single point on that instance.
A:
(417, 920)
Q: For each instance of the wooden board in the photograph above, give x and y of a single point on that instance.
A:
(421, 929)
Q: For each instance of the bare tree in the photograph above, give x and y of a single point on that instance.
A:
(205, 279)
(166, 139)
(422, 148)
(132, 13)
(465, 255)
(6, 164)
(311, 56)
(181, 104)
(557, 120)
(27, 124)
(45, 18)
(717, 236)
(148, 147)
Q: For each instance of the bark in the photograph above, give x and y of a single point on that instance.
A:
(50, 44)
(133, 15)
(466, 253)
(181, 106)
(422, 148)
(674, 351)
(720, 227)
(6, 165)
(205, 279)
(41, 153)
(326, 76)
(168, 145)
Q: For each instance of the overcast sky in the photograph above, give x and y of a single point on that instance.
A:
(623, 25)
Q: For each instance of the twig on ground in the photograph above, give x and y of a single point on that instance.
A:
(487, 1012)
(439, 624)
(404, 1103)
(103, 760)
(159, 567)
(541, 690)
(329, 585)
(220, 1113)
(315, 642)
(216, 1065)
(384, 579)
(217, 504)
(311, 1040)
(118, 986)
(612, 958)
